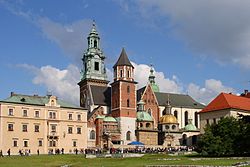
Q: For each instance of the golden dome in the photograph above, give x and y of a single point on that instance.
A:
(168, 119)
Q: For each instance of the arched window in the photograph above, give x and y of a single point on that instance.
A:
(121, 74)
(128, 135)
(186, 117)
(128, 74)
(128, 89)
(147, 125)
(184, 139)
(176, 114)
(196, 119)
(174, 127)
(166, 127)
(141, 125)
(149, 111)
(92, 134)
(127, 102)
(95, 43)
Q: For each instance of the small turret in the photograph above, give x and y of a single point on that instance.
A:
(151, 80)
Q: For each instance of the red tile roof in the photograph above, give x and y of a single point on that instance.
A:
(225, 101)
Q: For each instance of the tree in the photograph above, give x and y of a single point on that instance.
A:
(219, 139)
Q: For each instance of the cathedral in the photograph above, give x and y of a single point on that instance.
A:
(120, 113)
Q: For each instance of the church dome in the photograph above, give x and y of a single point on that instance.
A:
(143, 116)
(109, 119)
(190, 127)
(168, 119)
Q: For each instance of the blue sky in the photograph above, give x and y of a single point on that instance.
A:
(199, 48)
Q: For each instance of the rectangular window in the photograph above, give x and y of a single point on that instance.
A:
(214, 120)
(208, 121)
(36, 128)
(97, 66)
(70, 130)
(53, 128)
(74, 144)
(52, 143)
(15, 143)
(52, 115)
(11, 111)
(79, 117)
(79, 130)
(25, 128)
(25, 143)
(70, 116)
(10, 127)
(25, 113)
(37, 114)
(40, 143)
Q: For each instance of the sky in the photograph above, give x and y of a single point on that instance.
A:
(197, 47)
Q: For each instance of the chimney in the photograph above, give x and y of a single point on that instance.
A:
(12, 94)
(245, 91)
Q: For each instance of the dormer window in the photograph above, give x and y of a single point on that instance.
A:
(52, 102)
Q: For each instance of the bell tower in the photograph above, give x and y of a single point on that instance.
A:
(93, 71)
(93, 59)
(123, 100)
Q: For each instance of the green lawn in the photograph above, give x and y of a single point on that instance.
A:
(79, 160)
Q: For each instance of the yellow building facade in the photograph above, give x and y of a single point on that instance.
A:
(41, 124)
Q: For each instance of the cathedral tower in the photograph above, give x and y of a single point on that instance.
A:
(123, 101)
(93, 72)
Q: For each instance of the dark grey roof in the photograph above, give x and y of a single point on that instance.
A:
(101, 95)
(139, 93)
(178, 100)
(123, 60)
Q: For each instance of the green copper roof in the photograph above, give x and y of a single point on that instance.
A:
(155, 87)
(143, 116)
(36, 100)
(190, 127)
(109, 119)
(100, 117)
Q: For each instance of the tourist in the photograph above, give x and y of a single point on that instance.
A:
(8, 152)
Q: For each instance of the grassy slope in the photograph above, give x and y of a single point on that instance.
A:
(78, 160)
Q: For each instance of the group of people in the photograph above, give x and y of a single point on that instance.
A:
(27, 152)
(140, 150)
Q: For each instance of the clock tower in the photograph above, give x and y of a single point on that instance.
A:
(94, 71)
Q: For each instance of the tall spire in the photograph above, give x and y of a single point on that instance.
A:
(151, 79)
(93, 58)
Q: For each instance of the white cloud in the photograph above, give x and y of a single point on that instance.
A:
(165, 84)
(211, 89)
(62, 83)
(218, 29)
(71, 38)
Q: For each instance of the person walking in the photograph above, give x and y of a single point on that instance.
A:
(8, 152)
(1, 153)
